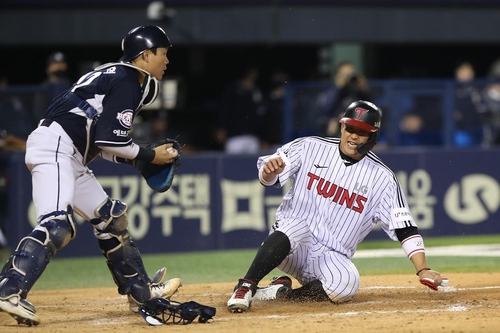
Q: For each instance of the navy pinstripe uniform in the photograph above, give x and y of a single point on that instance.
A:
(91, 119)
(340, 191)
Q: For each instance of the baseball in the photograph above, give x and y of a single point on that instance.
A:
(170, 150)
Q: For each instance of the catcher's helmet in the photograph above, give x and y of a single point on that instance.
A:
(143, 38)
(366, 116)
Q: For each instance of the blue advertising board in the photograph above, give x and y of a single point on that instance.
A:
(216, 201)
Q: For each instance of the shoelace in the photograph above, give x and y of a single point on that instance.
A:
(241, 292)
(282, 281)
(158, 286)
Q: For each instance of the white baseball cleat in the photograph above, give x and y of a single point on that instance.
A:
(279, 289)
(241, 300)
(20, 309)
(158, 288)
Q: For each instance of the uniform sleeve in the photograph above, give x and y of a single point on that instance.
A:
(291, 154)
(394, 211)
(119, 105)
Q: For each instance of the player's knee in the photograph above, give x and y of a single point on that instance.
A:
(341, 294)
(112, 217)
(60, 229)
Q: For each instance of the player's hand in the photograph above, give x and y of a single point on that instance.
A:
(432, 279)
(273, 167)
(165, 154)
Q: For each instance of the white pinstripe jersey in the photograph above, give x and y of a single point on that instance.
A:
(341, 204)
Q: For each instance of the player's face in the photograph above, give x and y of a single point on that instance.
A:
(350, 138)
(158, 62)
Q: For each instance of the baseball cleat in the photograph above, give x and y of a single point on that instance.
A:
(165, 289)
(241, 300)
(20, 309)
(279, 289)
(159, 275)
(158, 288)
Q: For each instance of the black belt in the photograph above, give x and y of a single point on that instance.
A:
(46, 122)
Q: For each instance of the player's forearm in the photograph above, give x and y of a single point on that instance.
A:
(127, 154)
(419, 261)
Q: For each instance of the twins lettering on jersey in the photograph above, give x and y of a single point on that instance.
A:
(340, 195)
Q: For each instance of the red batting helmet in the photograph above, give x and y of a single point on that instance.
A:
(366, 116)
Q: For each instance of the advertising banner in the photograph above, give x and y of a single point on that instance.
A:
(217, 201)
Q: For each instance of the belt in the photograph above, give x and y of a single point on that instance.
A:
(46, 122)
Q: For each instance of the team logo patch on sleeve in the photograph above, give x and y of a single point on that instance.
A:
(125, 118)
(401, 214)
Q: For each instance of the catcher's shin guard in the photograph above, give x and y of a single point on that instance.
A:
(25, 265)
(33, 253)
(124, 259)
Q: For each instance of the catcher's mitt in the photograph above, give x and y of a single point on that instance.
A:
(160, 177)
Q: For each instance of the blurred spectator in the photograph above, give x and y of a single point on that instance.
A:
(154, 125)
(411, 130)
(240, 114)
(15, 126)
(56, 82)
(349, 87)
(468, 120)
(16, 122)
(490, 99)
(272, 120)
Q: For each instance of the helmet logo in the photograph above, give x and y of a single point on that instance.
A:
(360, 112)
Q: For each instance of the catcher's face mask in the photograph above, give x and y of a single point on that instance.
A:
(150, 89)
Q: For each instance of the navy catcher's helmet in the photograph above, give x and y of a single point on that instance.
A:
(366, 116)
(143, 38)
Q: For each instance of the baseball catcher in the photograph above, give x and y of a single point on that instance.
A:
(91, 120)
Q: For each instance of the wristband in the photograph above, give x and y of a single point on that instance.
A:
(413, 244)
(264, 182)
(147, 155)
(423, 269)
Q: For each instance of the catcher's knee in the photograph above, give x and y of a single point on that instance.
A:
(112, 217)
(59, 228)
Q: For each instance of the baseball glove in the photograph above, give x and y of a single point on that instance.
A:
(160, 177)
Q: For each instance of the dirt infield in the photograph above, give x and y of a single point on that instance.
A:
(391, 303)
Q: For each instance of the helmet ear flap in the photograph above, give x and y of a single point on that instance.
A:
(368, 145)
